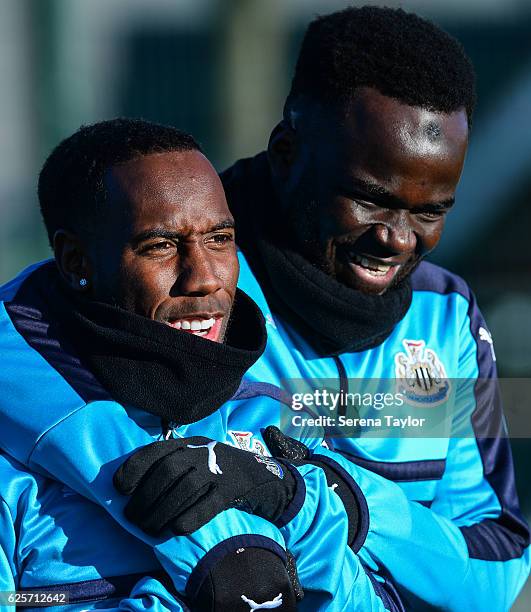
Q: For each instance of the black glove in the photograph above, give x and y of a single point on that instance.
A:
(294, 451)
(246, 578)
(181, 484)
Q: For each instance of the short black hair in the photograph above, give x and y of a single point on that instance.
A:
(400, 54)
(71, 188)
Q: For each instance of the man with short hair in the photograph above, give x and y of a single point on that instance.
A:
(335, 220)
(144, 244)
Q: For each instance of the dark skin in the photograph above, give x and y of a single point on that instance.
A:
(165, 249)
(366, 191)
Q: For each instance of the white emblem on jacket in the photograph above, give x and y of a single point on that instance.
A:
(422, 376)
(246, 441)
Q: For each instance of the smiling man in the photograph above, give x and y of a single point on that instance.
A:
(168, 264)
(136, 324)
(147, 240)
(380, 181)
(334, 221)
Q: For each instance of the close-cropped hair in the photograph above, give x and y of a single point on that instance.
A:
(71, 189)
(400, 54)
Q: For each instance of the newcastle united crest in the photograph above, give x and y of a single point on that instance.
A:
(421, 376)
(246, 441)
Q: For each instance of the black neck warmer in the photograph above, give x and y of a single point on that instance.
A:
(332, 317)
(177, 376)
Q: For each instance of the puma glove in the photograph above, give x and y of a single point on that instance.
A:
(181, 484)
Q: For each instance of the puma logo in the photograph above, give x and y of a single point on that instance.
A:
(212, 460)
(267, 605)
(486, 336)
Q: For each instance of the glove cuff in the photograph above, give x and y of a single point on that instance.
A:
(297, 501)
(242, 567)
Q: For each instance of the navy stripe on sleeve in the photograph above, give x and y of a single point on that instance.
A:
(401, 471)
(387, 592)
(102, 588)
(506, 536)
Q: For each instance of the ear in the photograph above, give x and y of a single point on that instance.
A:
(72, 261)
(282, 150)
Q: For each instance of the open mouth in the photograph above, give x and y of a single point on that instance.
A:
(205, 328)
(371, 272)
(373, 266)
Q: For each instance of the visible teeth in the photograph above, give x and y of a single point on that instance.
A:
(372, 266)
(207, 323)
(195, 325)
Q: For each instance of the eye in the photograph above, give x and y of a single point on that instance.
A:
(161, 247)
(434, 215)
(220, 239)
(365, 204)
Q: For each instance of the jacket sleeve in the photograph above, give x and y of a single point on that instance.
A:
(83, 451)
(470, 549)
(331, 573)
(147, 594)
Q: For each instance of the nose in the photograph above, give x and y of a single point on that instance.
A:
(396, 237)
(197, 274)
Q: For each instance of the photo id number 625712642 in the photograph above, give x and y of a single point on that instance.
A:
(33, 598)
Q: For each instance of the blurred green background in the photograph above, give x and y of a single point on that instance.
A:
(221, 69)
